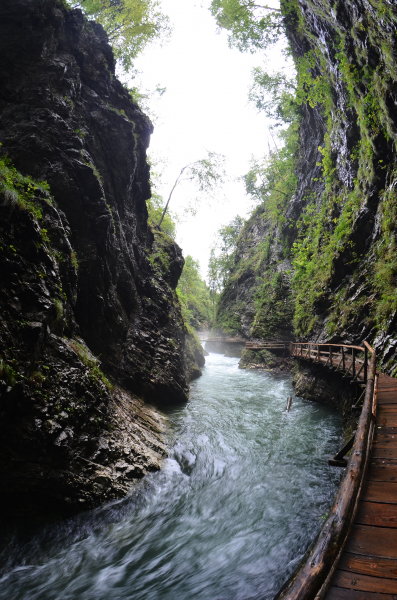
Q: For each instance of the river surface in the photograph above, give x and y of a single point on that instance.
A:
(243, 492)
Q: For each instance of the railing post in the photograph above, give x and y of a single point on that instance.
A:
(365, 364)
(354, 362)
(343, 358)
(330, 356)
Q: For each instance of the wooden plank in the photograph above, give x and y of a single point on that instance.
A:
(336, 593)
(384, 439)
(386, 433)
(367, 540)
(379, 514)
(365, 583)
(382, 452)
(384, 418)
(380, 491)
(385, 398)
(385, 429)
(382, 472)
(389, 387)
(369, 565)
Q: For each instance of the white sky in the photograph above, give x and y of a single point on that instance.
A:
(205, 108)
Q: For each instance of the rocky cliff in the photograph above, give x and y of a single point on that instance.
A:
(332, 245)
(89, 317)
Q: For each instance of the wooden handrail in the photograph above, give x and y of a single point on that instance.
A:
(368, 347)
(311, 580)
(361, 348)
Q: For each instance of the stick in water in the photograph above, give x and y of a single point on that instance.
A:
(289, 402)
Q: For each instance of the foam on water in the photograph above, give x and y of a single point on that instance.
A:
(241, 495)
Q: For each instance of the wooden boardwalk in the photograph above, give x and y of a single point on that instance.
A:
(367, 568)
(355, 554)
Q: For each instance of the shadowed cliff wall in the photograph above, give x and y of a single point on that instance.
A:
(89, 314)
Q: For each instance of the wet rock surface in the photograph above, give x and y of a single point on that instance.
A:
(353, 44)
(318, 383)
(327, 271)
(274, 362)
(89, 316)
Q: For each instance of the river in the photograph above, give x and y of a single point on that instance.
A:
(244, 490)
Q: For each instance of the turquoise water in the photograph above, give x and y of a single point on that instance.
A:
(244, 490)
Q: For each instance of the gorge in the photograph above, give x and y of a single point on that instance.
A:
(95, 356)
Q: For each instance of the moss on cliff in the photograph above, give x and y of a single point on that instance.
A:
(338, 226)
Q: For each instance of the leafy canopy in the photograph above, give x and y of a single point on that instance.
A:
(130, 24)
(222, 258)
(272, 181)
(194, 295)
(251, 25)
(274, 95)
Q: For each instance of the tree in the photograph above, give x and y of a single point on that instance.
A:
(130, 24)
(251, 25)
(275, 95)
(155, 210)
(194, 295)
(206, 172)
(272, 181)
(222, 259)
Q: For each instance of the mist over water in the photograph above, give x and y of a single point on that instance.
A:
(239, 499)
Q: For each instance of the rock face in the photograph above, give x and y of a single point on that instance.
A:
(338, 228)
(86, 288)
(318, 383)
(256, 301)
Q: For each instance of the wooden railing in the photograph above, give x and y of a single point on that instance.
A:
(311, 580)
(353, 360)
(267, 345)
(225, 340)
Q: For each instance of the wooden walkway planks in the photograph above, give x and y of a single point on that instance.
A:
(367, 568)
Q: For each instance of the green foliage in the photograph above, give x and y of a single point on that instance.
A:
(324, 234)
(229, 321)
(274, 95)
(8, 375)
(207, 173)
(273, 306)
(261, 358)
(313, 84)
(251, 26)
(222, 257)
(194, 296)
(130, 24)
(273, 182)
(385, 268)
(155, 207)
(89, 360)
(328, 252)
(24, 192)
(160, 257)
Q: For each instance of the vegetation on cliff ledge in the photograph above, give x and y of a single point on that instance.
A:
(332, 232)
